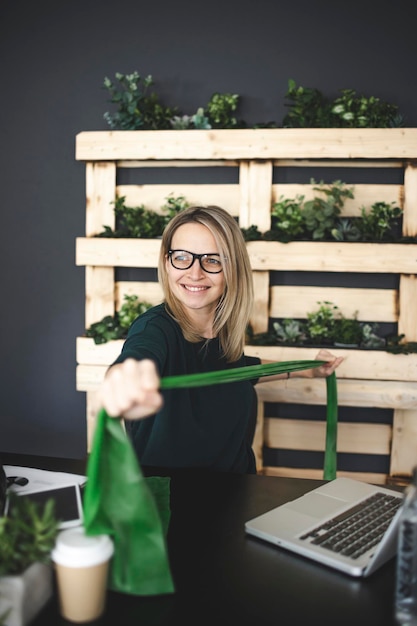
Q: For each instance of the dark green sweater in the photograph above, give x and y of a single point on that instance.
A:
(202, 427)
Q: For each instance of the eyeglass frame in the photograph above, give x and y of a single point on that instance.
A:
(194, 257)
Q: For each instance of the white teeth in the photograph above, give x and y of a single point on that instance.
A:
(194, 288)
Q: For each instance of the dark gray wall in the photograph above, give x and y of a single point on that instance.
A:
(53, 59)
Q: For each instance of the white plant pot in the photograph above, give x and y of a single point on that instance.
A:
(25, 595)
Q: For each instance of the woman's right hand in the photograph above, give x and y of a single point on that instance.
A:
(130, 390)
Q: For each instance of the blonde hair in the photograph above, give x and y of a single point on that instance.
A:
(235, 305)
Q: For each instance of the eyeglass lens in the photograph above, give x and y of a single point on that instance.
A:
(183, 260)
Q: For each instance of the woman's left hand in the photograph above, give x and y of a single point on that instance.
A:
(332, 363)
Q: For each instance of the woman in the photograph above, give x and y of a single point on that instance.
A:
(205, 273)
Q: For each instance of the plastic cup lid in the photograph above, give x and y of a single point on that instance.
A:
(76, 549)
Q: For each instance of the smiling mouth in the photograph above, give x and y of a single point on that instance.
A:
(194, 289)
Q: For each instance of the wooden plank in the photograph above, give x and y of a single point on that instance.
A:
(93, 405)
(90, 377)
(404, 442)
(117, 252)
(363, 394)
(264, 255)
(89, 353)
(255, 195)
(386, 394)
(99, 290)
(258, 439)
(260, 314)
(145, 291)
(364, 195)
(410, 195)
(358, 364)
(407, 322)
(288, 143)
(154, 197)
(333, 257)
(377, 305)
(294, 472)
(100, 192)
(370, 371)
(353, 438)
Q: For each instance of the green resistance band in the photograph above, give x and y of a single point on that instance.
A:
(252, 372)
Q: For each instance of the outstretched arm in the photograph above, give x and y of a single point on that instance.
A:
(130, 390)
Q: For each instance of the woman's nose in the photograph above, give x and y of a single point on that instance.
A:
(195, 271)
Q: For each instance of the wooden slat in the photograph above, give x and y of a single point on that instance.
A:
(376, 305)
(117, 252)
(315, 474)
(90, 377)
(260, 315)
(407, 322)
(264, 255)
(299, 434)
(88, 353)
(410, 195)
(99, 293)
(286, 143)
(154, 197)
(93, 405)
(404, 442)
(358, 364)
(255, 195)
(333, 257)
(100, 192)
(363, 394)
(145, 291)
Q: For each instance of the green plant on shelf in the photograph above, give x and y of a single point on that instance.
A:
(220, 110)
(138, 107)
(310, 108)
(116, 326)
(325, 326)
(381, 222)
(287, 219)
(139, 222)
(321, 214)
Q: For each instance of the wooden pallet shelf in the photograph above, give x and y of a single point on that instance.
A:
(366, 379)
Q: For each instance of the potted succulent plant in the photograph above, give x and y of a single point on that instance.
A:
(27, 536)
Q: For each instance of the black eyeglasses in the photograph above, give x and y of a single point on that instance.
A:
(183, 260)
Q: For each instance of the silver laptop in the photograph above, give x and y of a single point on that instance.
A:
(327, 525)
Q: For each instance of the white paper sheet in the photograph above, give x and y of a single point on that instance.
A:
(41, 480)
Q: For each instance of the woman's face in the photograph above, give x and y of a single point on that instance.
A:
(196, 289)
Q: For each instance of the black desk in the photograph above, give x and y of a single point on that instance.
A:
(225, 577)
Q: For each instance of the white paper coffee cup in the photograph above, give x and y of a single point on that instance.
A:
(81, 565)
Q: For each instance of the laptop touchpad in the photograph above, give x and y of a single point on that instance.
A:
(315, 505)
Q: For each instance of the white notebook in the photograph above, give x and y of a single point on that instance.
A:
(303, 525)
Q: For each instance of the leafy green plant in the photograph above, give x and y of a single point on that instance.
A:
(116, 326)
(252, 233)
(27, 534)
(309, 108)
(346, 229)
(379, 222)
(198, 121)
(348, 331)
(287, 219)
(321, 214)
(139, 222)
(220, 109)
(354, 111)
(320, 324)
(138, 107)
(290, 331)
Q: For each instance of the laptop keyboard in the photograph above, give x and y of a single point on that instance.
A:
(358, 529)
